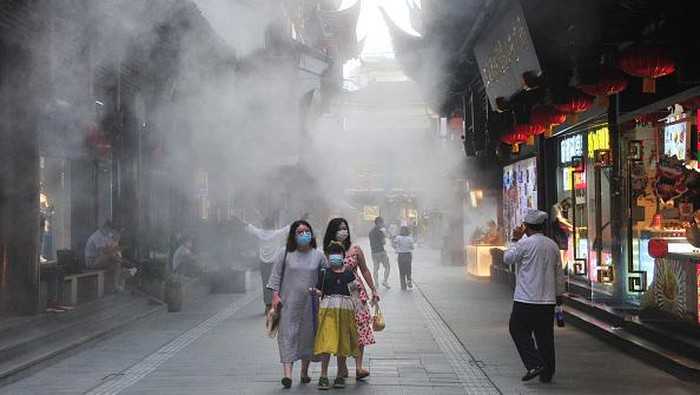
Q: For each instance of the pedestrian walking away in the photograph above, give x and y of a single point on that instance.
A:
(270, 241)
(294, 272)
(377, 240)
(337, 332)
(339, 231)
(539, 285)
(403, 245)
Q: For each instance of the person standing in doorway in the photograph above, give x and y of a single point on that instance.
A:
(404, 245)
(269, 243)
(562, 228)
(539, 286)
(377, 240)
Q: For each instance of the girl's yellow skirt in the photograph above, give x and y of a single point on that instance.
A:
(337, 332)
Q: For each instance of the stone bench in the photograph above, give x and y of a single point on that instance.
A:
(74, 283)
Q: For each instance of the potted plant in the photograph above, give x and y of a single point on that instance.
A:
(174, 293)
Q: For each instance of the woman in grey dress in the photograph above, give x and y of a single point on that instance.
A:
(290, 282)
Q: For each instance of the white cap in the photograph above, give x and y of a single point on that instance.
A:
(535, 217)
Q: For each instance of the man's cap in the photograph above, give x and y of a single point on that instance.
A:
(535, 217)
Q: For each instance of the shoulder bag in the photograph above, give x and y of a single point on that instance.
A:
(272, 321)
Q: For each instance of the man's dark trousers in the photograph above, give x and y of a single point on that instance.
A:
(527, 320)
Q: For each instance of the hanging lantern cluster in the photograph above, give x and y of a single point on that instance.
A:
(648, 63)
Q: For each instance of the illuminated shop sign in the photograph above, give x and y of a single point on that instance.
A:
(676, 140)
(569, 148)
(598, 139)
(579, 179)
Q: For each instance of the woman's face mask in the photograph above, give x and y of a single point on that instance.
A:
(303, 239)
(335, 260)
(342, 235)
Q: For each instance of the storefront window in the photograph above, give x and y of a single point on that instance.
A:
(54, 207)
(581, 215)
(663, 192)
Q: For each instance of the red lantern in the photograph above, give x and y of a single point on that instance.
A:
(547, 117)
(514, 139)
(648, 63)
(611, 82)
(574, 102)
(97, 140)
(658, 248)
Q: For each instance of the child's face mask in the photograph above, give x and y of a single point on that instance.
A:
(335, 260)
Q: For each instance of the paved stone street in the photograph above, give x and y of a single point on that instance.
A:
(448, 336)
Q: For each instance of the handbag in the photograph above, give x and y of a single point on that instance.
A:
(272, 321)
(378, 323)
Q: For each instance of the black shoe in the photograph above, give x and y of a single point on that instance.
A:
(323, 383)
(305, 380)
(287, 382)
(532, 373)
(339, 382)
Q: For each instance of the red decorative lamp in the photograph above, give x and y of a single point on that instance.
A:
(574, 103)
(648, 63)
(658, 248)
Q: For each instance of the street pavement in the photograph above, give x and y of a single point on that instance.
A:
(447, 336)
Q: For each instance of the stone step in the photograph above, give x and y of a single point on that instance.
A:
(674, 363)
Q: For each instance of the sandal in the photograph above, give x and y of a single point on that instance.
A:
(339, 382)
(305, 379)
(323, 383)
(361, 374)
(286, 382)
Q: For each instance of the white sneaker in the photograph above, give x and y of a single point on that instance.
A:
(133, 271)
(386, 285)
(410, 285)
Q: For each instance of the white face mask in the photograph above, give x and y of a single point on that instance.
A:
(342, 235)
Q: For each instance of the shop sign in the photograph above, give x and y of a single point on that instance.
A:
(370, 212)
(676, 140)
(598, 139)
(579, 180)
(505, 53)
(569, 148)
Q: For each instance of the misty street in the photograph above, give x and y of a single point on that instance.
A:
(356, 196)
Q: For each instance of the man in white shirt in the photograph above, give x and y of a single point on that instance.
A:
(184, 261)
(269, 242)
(539, 286)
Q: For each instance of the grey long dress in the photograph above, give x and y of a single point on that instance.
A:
(296, 332)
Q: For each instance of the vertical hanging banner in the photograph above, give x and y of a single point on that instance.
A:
(505, 53)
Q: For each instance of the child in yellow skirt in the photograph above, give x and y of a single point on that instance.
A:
(337, 332)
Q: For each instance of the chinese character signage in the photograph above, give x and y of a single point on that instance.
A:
(569, 148)
(598, 139)
(504, 53)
